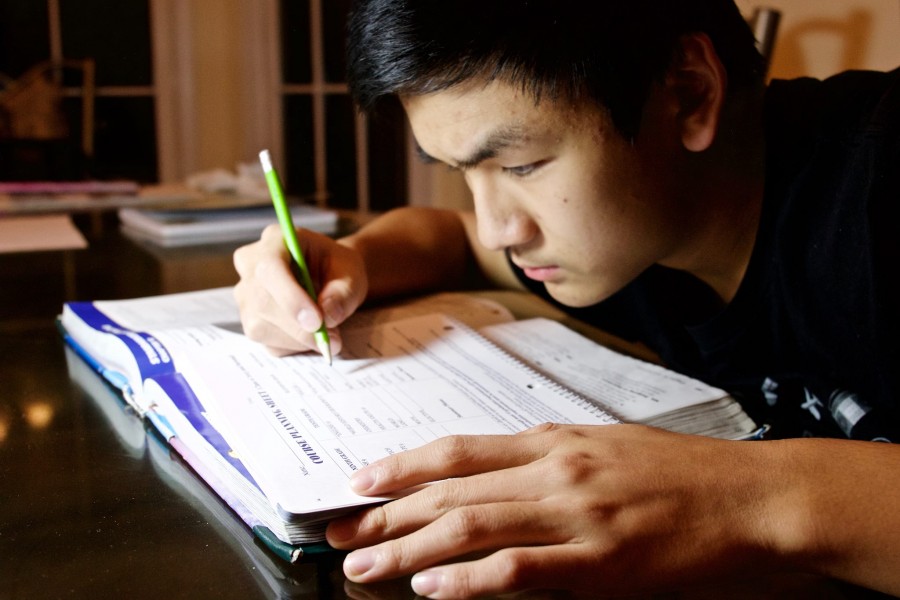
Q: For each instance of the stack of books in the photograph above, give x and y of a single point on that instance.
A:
(192, 226)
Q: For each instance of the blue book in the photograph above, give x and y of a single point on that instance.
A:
(142, 370)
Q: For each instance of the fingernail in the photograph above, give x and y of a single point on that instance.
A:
(427, 583)
(308, 320)
(362, 481)
(359, 562)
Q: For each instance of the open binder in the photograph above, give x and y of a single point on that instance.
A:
(278, 438)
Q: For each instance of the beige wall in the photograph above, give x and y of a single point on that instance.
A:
(216, 75)
(821, 37)
(217, 82)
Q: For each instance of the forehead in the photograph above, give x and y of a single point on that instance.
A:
(476, 114)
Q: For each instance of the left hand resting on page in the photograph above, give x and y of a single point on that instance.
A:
(611, 509)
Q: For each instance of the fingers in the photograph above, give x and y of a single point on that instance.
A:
(475, 470)
(451, 456)
(463, 531)
(505, 571)
(344, 281)
(273, 274)
(275, 309)
(571, 507)
(417, 510)
(280, 344)
(263, 321)
(504, 511)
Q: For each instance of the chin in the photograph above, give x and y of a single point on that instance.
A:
(578, 296)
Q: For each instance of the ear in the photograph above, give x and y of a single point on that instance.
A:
(699, 82)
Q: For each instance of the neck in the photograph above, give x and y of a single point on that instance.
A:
(726, 186)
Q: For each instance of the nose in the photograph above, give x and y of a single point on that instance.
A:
(503, 221)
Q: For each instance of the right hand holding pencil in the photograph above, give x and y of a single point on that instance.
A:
(276, 311)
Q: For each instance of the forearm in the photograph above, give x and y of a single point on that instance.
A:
(840, 510)
(414, 249)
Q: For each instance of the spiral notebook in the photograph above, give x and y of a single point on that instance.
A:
(278, 438)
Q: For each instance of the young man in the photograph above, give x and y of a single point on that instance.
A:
(628, 163)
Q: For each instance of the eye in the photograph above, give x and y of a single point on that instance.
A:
(523, 170)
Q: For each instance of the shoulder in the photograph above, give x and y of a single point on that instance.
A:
(832, 183)
(847, 102)
(832, 193)
(833, 145)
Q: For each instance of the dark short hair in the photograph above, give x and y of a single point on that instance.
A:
(611, 50)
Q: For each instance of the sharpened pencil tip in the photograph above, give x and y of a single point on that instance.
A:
(325, 349)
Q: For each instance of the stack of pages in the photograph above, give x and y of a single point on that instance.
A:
(633, 390)
(278, 438)
(182, 227)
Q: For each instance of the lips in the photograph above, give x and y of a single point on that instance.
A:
(540, 273)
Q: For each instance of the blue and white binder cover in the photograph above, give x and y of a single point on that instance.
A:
(91, 333)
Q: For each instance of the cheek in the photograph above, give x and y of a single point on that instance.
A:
(609, 238)
(592, 213)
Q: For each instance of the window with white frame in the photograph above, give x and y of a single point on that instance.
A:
(332, 152)
(150, 90)
(35, 32)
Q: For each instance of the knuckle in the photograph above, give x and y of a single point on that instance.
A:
(447, 495)
(255, 329)
(392, 468)
(456, 450)
(375, 520)
(544, 428)
(239, 258)
(580, 465)
(572, 468)
(265, 268)
(391, 556)
(271, 231)
(512, 567)
(466, 524)
(396, 556)
(403, 555)
(463, 584)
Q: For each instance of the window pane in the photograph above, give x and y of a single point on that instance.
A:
(34, 160)
(296, 61)
(334, 23)
(125, 141)
(24, 35)
(115, 33)
(341, 152)
(387, 157)
(299, 176)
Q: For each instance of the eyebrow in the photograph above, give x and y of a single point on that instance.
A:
(493, 143)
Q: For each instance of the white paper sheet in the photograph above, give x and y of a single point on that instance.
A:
(302, 428)
(34, 234)
(632, 389)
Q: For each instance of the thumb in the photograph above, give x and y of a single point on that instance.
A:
(339, 299)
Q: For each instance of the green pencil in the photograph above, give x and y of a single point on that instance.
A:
(293, 245)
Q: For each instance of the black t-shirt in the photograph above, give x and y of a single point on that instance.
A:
(809, 343)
